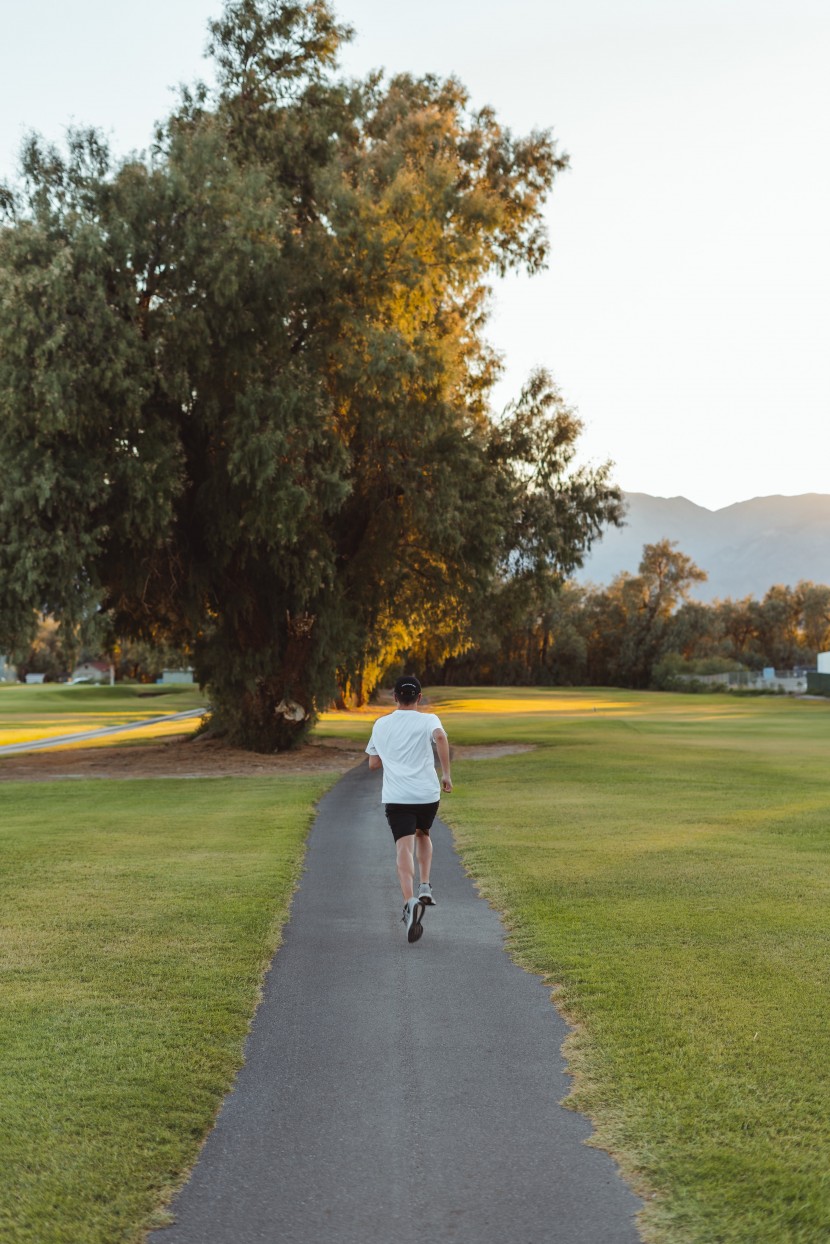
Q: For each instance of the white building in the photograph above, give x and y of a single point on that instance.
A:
(176, 676)
(93, 671)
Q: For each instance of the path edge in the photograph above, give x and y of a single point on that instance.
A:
(161, 1216)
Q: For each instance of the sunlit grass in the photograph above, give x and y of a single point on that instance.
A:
(34, 732)
(137, 919)
(567, 704)
(30, 713)
(477, 714)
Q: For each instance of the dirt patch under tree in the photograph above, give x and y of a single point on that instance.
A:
(184, 757)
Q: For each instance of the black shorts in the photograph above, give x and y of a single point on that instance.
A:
(405, 818)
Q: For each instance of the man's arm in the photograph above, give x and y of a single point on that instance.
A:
(442, 746)
(375, 761)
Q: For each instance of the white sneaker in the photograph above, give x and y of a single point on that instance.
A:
(413, 909)
(425, 895)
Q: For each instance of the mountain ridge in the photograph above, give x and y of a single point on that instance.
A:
(745, 548)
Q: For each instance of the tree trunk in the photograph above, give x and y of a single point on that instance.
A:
(261, 709)
(351, 692)
(269, 722)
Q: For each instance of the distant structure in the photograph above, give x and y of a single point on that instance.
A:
(819, 683)
(93, 671)
(7, 672)
(176, 676)
(793, 682)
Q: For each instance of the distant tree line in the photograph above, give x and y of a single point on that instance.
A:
(640, 631)
(538, 629)
(54, 650)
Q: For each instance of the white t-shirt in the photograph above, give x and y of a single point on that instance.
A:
(403, 740)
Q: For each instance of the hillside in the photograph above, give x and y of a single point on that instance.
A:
(745, 548)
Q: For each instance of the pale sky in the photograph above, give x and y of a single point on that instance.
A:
(685, 310)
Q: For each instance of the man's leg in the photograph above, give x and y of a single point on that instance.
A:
(406, 865)
(423, 850)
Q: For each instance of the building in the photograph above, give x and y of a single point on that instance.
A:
(93, 671)
(819, 683)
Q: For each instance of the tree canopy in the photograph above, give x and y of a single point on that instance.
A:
(244, 382)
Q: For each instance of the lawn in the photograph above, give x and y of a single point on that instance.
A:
(48, 710)
(664, 862)
(137, 920)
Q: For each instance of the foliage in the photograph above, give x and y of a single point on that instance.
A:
(551, 520)
(244, 384)
(55, 649)
(644, 605)
(142, 661)
(640, 631)
(541, 630)
(46, 653)
(676, 672)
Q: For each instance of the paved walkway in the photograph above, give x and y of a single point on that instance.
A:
(395, 1093)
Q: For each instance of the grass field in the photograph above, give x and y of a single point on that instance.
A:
(137, 919)
(664, 862)
(49, 710)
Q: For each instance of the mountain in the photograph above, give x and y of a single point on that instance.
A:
(744, 548)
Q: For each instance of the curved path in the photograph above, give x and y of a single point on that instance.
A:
(395, 1093)
(101, 732)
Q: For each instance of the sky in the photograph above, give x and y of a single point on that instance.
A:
(685, 312)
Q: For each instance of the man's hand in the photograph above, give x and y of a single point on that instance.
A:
(375, 762)
(446, 783)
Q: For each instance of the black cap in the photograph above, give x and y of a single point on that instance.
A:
(407, 688)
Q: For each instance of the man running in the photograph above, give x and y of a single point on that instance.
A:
(401, 744)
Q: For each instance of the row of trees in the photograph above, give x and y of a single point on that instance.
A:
(54, 650)
(640, 631)
(245, 388)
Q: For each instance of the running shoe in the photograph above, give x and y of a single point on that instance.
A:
(413, 910)
(425, 895)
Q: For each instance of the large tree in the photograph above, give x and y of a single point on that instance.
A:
(244, 391)
(628, 624)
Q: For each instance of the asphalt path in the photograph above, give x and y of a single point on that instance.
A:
(395, 1093)
(61, 740)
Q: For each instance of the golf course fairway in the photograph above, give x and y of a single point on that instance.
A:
(664, 862)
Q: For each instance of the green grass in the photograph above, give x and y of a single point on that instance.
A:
(137, 919)
(664, 862)
(47, 710)
(661, 859)
(17, 699)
